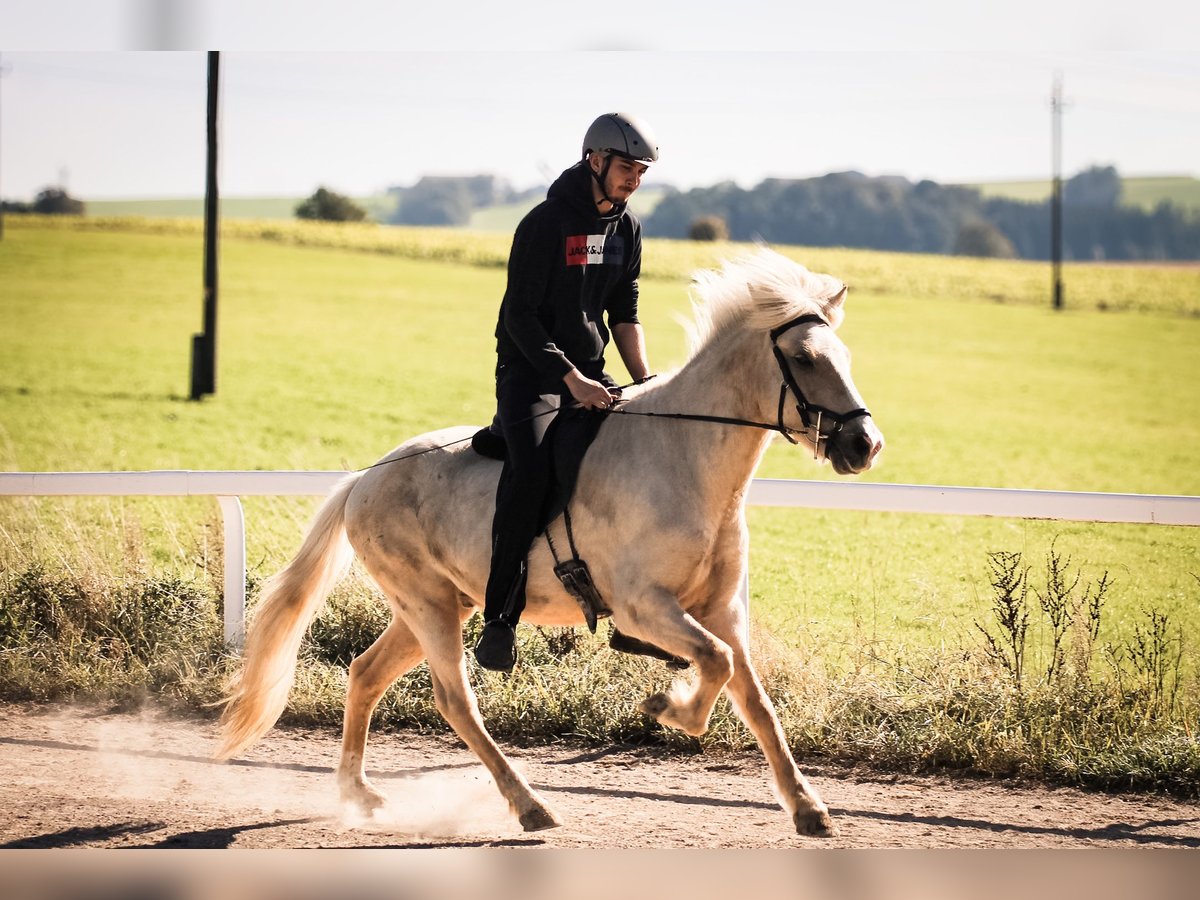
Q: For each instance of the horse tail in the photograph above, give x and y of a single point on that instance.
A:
(289, 601)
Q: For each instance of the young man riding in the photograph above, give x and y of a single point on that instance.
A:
(575, 261)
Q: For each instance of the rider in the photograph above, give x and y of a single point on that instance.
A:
(575, 259)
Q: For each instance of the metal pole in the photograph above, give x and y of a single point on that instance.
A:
(2, 73)
(204, 345)
(1056, 191)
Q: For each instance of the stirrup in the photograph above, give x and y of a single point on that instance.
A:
(577, 580)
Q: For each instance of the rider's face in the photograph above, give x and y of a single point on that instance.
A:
(624, 176)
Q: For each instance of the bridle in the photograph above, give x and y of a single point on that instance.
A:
(812, 415)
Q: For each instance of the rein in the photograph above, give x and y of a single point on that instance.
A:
(806, 409)
(699, 417)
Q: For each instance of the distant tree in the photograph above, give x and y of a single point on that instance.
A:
(708, 228)
(329, 206)
(1094, 188)
(980, 238)
(450, 199)
(15, 206)
(54, 201)
(436, 201)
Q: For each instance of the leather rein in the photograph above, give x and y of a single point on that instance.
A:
(812, 415)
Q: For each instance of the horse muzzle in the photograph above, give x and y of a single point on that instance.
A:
(855, 447)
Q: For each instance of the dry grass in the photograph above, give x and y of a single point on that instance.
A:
(1102, 716)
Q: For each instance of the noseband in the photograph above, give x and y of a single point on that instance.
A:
(812, 415)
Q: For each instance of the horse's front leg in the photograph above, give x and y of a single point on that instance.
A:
(809, 813)
(656, 617)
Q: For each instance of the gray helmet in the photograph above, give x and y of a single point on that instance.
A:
(624, 135)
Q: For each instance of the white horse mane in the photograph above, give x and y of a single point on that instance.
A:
(760, 290)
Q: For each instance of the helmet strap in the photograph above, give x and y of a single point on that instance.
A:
(600, 178)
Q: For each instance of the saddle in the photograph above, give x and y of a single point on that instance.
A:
(568, 437)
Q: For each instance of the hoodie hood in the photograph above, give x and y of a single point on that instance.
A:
(574, 187)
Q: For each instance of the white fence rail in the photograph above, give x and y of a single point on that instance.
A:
(228, 487)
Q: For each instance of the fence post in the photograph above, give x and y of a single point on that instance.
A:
(234, 524)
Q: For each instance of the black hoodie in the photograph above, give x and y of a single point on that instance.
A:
(568, 266)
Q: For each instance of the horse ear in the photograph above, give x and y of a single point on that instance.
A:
(831, 305)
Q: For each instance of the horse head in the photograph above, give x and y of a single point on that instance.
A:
(814, 365)
(776, 298)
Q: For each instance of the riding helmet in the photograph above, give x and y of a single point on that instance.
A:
(624, 135)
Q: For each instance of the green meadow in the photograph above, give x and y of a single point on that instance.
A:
(1145, 192)
(337, 342)
(329, 356)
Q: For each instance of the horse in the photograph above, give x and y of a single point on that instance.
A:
(658, 511)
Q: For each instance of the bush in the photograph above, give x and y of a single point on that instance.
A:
(65, 636)
(708, 228)
(979, 238)
(53, 201)
(327, 206)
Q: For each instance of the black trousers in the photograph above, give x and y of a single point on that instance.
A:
(524, 488)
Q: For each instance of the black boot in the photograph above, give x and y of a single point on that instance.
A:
(497, 647)
(623, 643)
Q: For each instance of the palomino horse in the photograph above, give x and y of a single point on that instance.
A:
(658, 512)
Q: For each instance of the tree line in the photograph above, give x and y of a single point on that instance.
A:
(850, 209)
(845, 209)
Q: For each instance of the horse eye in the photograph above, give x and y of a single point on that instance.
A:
(804, 361)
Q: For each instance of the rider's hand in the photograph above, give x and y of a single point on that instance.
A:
(588, 393)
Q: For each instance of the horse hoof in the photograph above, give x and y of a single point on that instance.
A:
(814, 823)
(655, 706)
(539, 819)
(363, 799)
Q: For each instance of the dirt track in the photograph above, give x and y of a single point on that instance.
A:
(78, 778)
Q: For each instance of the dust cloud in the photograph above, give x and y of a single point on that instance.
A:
(141, 759)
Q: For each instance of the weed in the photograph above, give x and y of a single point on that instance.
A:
(1010, 607)
(1155, 663)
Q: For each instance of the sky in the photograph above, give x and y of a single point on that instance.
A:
(316, 101)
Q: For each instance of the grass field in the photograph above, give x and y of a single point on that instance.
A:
(1144, 192)
(378, 206)
(328, 358)
(336, 344)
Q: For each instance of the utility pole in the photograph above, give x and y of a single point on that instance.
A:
(204, 345)
(3, 71)
(1056, 108)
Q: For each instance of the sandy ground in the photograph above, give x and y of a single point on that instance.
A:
(85, 778)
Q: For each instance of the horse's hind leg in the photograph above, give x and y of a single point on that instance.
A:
(440, 633)
(393, 653)
(800, 800)
(656, 617)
